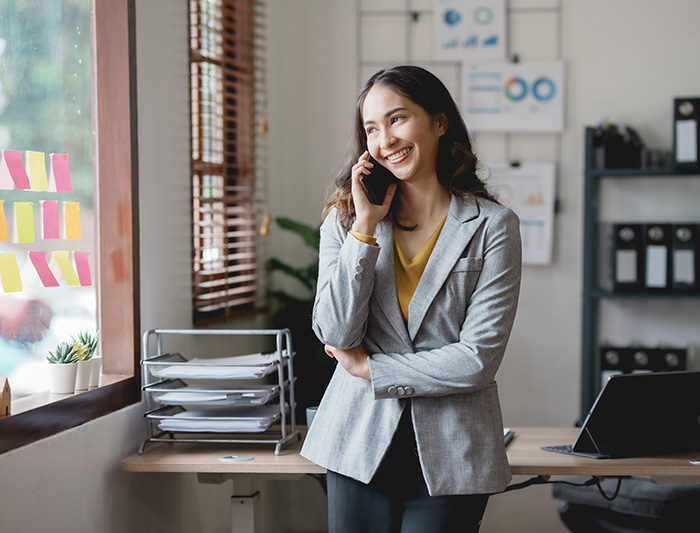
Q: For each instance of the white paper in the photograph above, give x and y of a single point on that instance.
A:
(686, 141)
(506, 96)
(240, 419)
(237, 366)
(656, 272)
(626, 266)
(469, 30)
(529, 191)
(684, 266)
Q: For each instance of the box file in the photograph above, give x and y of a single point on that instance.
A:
(627, 258)
(686, 132)
(684, 274)
(657, 257)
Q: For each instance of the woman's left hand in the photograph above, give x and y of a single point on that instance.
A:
(354, 360)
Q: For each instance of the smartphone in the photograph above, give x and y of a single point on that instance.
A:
(377, 182)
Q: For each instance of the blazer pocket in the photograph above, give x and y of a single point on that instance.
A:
(468, 264)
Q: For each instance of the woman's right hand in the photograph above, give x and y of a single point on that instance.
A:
(367, 214)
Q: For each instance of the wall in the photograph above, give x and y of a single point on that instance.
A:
(622, 61)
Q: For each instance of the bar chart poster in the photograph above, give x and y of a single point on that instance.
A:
(528, 189)
(468, 30)
(519, 97)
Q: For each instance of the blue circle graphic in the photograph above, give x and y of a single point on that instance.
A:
(543, 89)
(452, 17)
(483, 16)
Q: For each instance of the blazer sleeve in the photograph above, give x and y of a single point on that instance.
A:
(345, 284)
(470, 363)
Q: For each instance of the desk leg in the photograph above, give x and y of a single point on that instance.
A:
(245, 507)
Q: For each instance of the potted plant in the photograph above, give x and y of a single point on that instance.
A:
(63, 368)
(85, 346)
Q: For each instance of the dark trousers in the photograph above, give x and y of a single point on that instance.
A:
(397, 499)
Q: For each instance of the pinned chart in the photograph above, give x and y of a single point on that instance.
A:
(469, 30)
(506, 96)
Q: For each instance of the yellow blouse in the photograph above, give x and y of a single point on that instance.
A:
(407, 271)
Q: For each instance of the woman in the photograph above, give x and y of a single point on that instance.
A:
(416, 299)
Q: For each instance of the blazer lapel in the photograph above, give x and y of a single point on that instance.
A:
(453, 239)
(385, 281)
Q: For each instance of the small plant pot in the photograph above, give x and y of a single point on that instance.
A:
(95, 371)
(62, 377)
(82, 379)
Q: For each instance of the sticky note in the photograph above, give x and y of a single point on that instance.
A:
(3, 222)
(62, 258)
(24, 221)
(36, 169)
(12, 172)
(49, 220)
(71, 216)
(83, 268)
(9, 272)
(47, 278)
(59, 175)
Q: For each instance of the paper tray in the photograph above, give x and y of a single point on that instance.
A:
(231, 420)
(251, 366)
(178, 393)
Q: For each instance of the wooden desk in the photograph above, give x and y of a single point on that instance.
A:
(524, 455)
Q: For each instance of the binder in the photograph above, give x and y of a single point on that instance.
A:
(686, 132)
(627, 260)
(684, 274)
(657, 257)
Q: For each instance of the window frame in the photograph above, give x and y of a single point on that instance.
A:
(116, 201)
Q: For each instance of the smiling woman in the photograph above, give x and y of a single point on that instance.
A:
(68, 88)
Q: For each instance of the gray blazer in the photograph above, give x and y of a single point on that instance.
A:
(444, 359)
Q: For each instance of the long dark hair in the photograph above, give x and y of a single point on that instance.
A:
(456, 161)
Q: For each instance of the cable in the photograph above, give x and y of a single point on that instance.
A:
(544, 480)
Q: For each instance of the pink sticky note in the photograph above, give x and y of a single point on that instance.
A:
(47, 278)
(12, 171)
(59, 176)
(49, 220)
(83, 268)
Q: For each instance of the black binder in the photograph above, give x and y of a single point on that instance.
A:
(684, 275)
(657, 257)
(686, 132)
(627, 257)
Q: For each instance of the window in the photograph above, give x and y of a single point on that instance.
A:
(227, 102)
(111, 100)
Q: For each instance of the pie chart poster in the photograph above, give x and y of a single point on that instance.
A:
(506, 96)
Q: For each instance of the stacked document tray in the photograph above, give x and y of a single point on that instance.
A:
(209, 399)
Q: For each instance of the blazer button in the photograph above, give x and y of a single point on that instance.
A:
(400, 391)
(358, 277)
(363, 261)
(409, 390)
(359, 268)
(391, 390)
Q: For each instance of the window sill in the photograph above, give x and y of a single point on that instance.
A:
(42, 415)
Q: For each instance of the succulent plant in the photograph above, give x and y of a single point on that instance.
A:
(86, 344)
(64, 354)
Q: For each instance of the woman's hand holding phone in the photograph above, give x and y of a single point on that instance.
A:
(368, 214)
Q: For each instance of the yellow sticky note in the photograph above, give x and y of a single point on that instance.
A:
(3, 222)
(9, 272)
(71, 217)
(62, 258)
(24, 221)
(36, 169)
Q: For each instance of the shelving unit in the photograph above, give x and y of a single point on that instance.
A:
(219, 400)
(593, 293)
